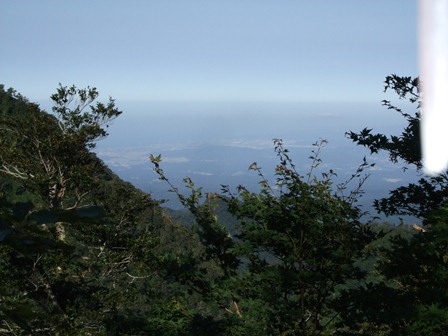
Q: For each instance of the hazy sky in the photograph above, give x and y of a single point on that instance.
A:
(208, 50)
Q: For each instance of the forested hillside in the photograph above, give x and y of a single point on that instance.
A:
(84, 253)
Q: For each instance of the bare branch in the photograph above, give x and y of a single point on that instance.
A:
(15, 172)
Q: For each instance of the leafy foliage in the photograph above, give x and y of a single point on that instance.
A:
(49, 153)
(408, 298)
(69, 107)
(298, 241)
(76, 241)
(428, 194)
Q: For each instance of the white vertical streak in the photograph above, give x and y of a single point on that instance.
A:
(433, 49)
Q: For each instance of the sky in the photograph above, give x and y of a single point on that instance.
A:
(208, 50)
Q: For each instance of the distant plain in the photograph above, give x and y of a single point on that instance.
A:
(215, 142)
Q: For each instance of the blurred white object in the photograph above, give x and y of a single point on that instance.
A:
(433, 46)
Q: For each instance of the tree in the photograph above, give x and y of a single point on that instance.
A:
(298, 241)
(408, 294)
(50, 153)
(75, 241)
(429, 193)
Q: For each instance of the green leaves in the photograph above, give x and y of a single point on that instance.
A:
(417, 199)
(403, 86)
(69, 107)
(407, 295)
(295, 243)
(302, 239)
(75, 241)
(51, 153)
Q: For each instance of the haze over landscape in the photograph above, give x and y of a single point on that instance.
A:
(219, 149)
(209, 84)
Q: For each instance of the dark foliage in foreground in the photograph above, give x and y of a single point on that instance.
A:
(84, 253)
